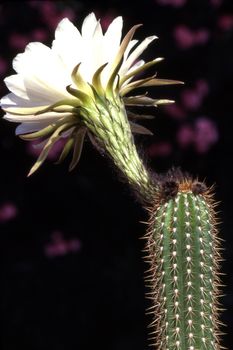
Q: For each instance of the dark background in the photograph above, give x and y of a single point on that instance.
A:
(72, 269)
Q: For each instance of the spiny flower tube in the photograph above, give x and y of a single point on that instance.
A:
(81, 86)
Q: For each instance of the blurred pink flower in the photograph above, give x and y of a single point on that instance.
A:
(66, 13)
(34, 3)
(34, 149)
(201, 36)
(186, 38)
(191, 99)
(202, 135)
(175, 3)
(58, 246)
(50, 14)
(39, 34)
(225, 22)
(18, 41)
(47, 8)
(8, 211)
(185, 136)
(206, 134)
(161, 149)
(3, 66)
(175, 111)
(106, 20)
(216, 3)
(202, 87)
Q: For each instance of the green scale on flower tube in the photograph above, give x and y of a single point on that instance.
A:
(182, 240)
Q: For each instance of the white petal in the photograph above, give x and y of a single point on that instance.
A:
(124, 68)
(93, 53)
(25, 128)
(49, 117)
(16, 104)
(68, 44)
(16, 85)
(32, 90)
(132, 43)
(41, 65)
(98, 33)
(138, 51)
(88, 27)
(112, 39)
(97, 47)
(13, 102)
(111, 44)
(135, 66)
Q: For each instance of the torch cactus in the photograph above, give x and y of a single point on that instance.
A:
(183, 252)
(85, 91)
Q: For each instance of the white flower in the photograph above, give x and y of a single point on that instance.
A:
(52, 84)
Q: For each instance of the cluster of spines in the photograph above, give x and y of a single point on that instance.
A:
(183, 252)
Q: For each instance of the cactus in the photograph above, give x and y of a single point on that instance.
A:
(182, 246)
(183, 251)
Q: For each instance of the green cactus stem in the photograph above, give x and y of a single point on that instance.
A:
(183, 252)
(113, 134)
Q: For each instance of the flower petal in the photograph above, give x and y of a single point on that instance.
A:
(137, 52)
(46, 117)
(25, 128)
(92, 53)
(16, 84)
(112, 39)
(136, 66)
(42, 66)
(32, 90)
(68, 44)
(89, 26)
(16, 104)
(129, 48)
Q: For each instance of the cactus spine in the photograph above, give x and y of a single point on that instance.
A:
(183, 253)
